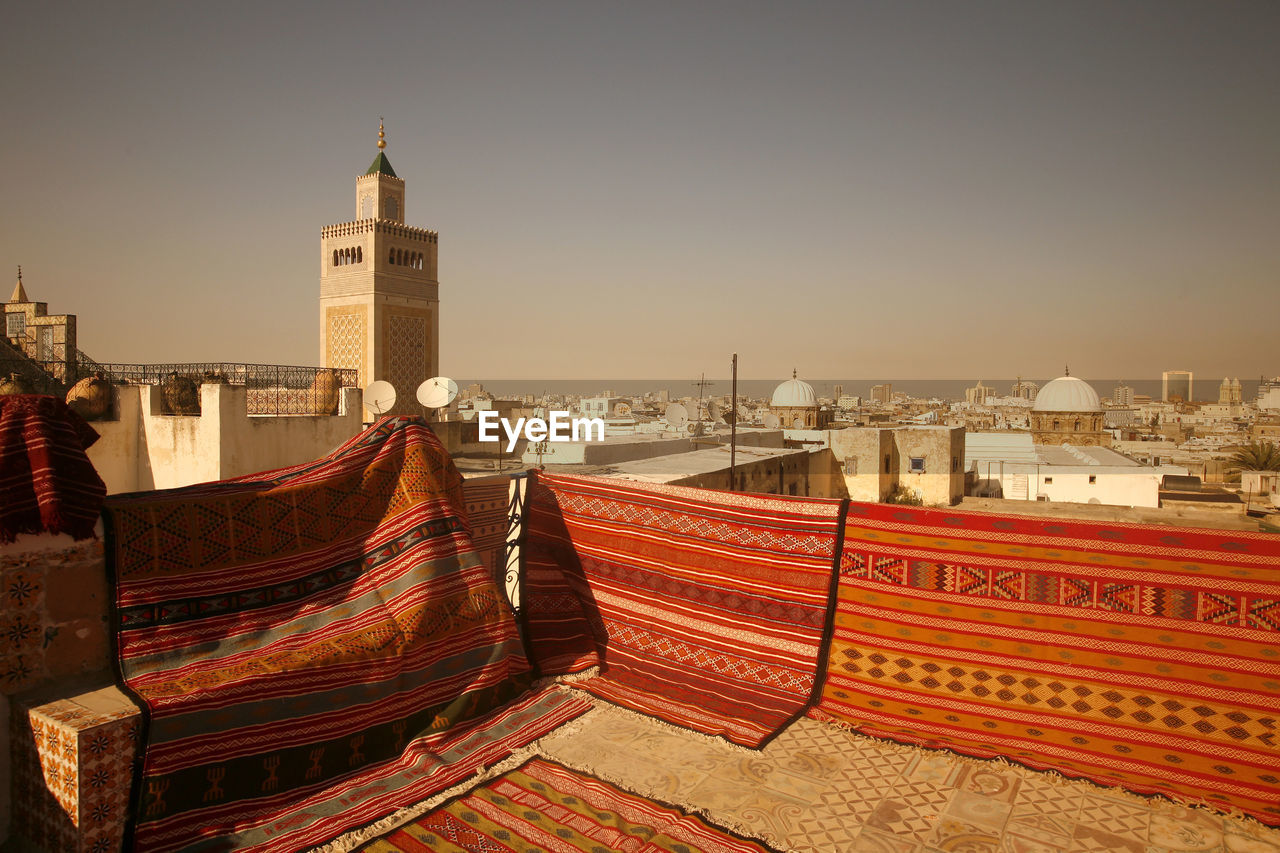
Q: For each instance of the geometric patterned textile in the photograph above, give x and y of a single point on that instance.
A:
(544, 806)
(705, 609)
(73, 762)
(312, 647)
(487, 500)
(1141, 656)
(47, 483)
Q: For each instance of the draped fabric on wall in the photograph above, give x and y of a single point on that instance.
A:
(1133, 655)
(47, 483)
(705, 609)
(314, 647)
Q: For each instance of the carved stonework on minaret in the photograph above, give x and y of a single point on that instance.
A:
(379, 298)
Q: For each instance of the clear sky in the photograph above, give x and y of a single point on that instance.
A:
(638, 189)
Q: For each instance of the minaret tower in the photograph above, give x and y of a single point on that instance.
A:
(379, 297)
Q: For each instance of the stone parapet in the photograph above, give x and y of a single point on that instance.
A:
(72, 771)
(53, 613)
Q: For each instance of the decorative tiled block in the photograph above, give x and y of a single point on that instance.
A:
(72, 768)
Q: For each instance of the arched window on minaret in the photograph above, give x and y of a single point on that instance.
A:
(335, 257)
(391, 259)
(359, 254)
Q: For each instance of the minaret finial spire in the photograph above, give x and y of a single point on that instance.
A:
(793, 373)
(19, 292)
(1067, 368)
(382, 136)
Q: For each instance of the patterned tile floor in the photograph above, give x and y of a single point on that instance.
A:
(817, 788)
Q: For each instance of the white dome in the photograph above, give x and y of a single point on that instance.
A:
(794, 394)
(1067, 394)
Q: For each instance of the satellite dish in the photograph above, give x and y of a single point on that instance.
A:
(379, 397)
(771, 421)
(438, 392)
(713, 411)
(677, 416)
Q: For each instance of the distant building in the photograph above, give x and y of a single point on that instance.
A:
(1024, 390)
(796, 406)
(978, 394)
(1068, 410)
(1229, 392)
(1176, 385)
(921, 460)
(1010, 466)
(605, 407)
(49, 339)
(379, 297)
(1122, 395)
(848, 401)
(882, 393)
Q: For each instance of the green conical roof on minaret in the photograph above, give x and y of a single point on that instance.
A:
(381, 165)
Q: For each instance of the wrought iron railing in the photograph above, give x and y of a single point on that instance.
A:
(41, 378)
(273, 389)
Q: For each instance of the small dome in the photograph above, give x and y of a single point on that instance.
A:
(1067, 394)
(794, 394)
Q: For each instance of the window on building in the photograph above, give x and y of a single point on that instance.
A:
(16, 325)
(917, 464)
(955, 464)
(1048, 481)
(886, 464)
(851, 467)
(1093, 478)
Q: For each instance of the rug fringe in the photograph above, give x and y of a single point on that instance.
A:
(684, 805)
(611, 709)
(1159, 800)
(370, 832)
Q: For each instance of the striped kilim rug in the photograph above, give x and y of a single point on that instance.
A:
(486, 500)
(705, 609)
(1133, 655)
(314, 647)
(543, 806)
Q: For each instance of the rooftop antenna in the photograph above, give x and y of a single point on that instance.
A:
(379, 397)
(733, 426)
(702, 384)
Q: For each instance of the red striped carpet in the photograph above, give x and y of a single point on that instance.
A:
(313, 648)
(1134, 655)
(544, 806)
(486, 500)
(705, 609)
(47, 483)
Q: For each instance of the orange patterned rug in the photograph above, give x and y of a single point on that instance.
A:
(1133, 655)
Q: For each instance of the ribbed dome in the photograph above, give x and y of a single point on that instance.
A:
(793, 394)
(1067, 394)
